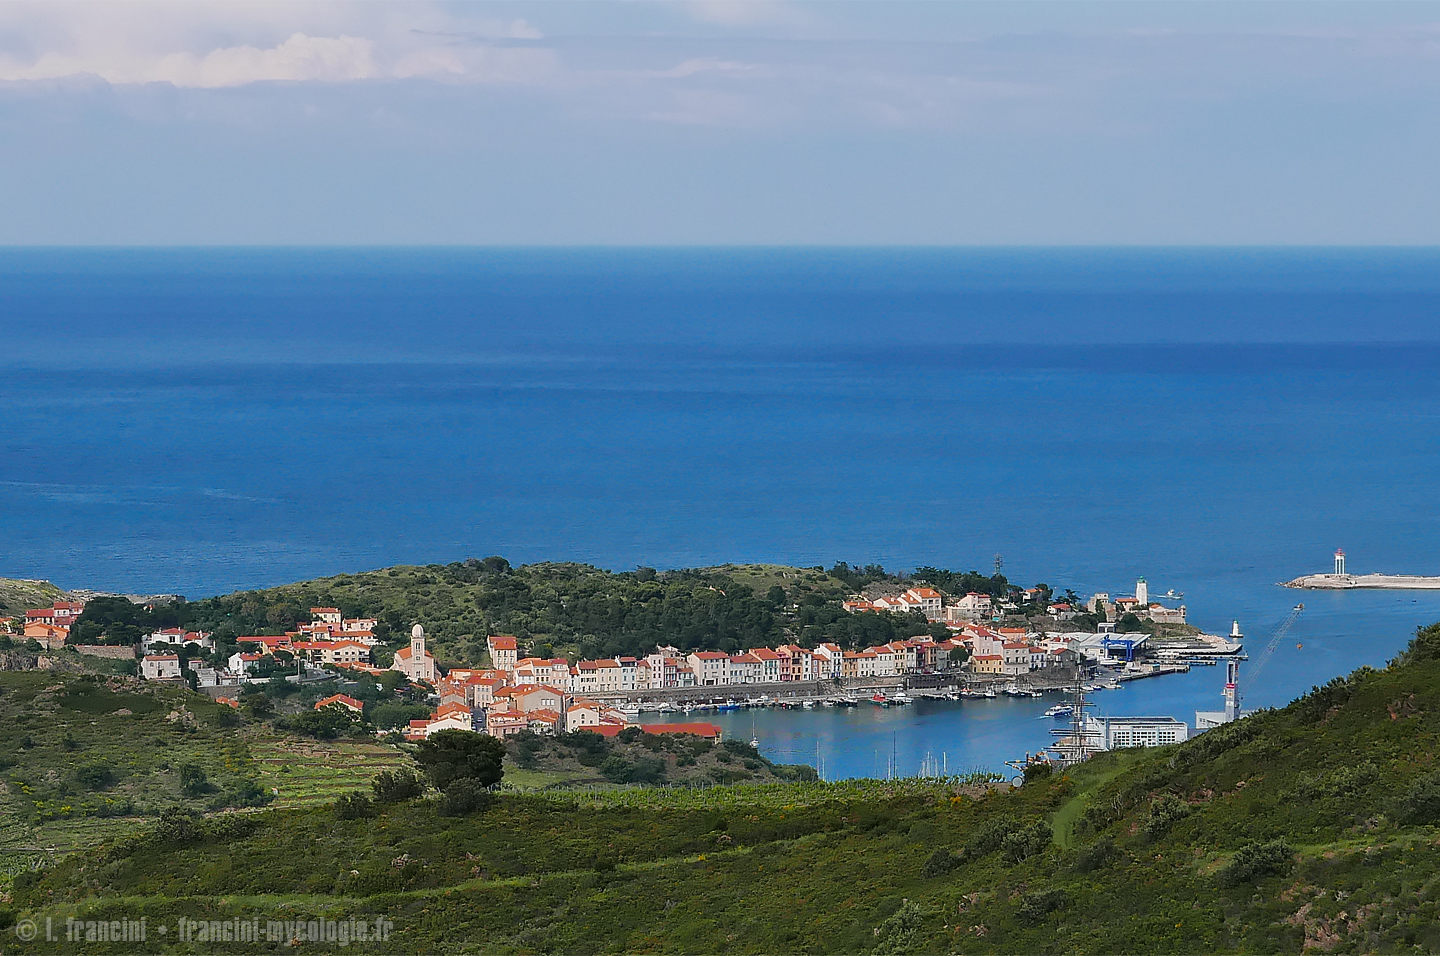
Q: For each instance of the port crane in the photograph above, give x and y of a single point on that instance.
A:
(1275, 638)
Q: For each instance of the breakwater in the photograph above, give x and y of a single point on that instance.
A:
(1342, 582)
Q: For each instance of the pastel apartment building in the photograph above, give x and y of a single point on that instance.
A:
(504, 651)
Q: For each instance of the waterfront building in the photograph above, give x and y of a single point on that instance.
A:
(745, 669)
(1115, 733)
(769, 664)
(989, 664)
(711, 668)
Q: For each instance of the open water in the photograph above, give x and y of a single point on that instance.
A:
(1219, 420)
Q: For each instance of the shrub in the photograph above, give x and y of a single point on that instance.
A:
(989, 835)
(1026, 842)
(465, 795)
(393, 786)
(193, 781)
(1036, 906)
(1038, 771)
(1422, 801)
(1354, 779)
(247, 793)
(942, 861)
(616, 769)
(1164, 813)
(94, 776)
(1097, 856)
(177, 827)
(1256, 860)
(901, 932)
(352, 806)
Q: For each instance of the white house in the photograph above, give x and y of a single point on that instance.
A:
(176, 636)
(160, 667)
(926, 600)
(973, 607)
(829, 661)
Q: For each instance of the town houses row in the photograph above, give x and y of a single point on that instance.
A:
(974, 607)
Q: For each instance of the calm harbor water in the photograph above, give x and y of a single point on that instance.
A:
(1336, 634)
(206, 420)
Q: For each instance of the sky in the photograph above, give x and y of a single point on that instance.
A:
(715, 123)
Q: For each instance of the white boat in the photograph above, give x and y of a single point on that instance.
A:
(1060, 710)
(901, 698)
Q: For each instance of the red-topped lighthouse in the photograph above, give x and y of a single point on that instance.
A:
(1339, 561)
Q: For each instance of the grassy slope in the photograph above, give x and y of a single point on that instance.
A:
(53, 726)
(825, 868)
(17, 596)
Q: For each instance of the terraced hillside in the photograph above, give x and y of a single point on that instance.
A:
(303, 773)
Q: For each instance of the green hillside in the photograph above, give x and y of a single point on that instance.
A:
(1312, 827)
(17, 596)
(581, 610)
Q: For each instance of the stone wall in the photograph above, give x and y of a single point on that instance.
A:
(117, 652)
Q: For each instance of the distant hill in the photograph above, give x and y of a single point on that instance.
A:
(18, 596)
(1313, 827)
(559, 608)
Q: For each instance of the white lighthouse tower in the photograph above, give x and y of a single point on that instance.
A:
(1142, 593)
(1339, 561)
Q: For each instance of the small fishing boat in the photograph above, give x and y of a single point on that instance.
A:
(879, 698)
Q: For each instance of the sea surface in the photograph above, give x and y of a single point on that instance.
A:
(199, 421)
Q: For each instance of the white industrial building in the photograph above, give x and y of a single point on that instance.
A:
(1114, 733)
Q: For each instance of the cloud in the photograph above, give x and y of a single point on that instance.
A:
(208, 46)
(301, 57)
(745, 13)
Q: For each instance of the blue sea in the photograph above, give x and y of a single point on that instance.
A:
(199, 421)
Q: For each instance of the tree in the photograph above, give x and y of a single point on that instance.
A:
(327, 723)
(455, 754)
